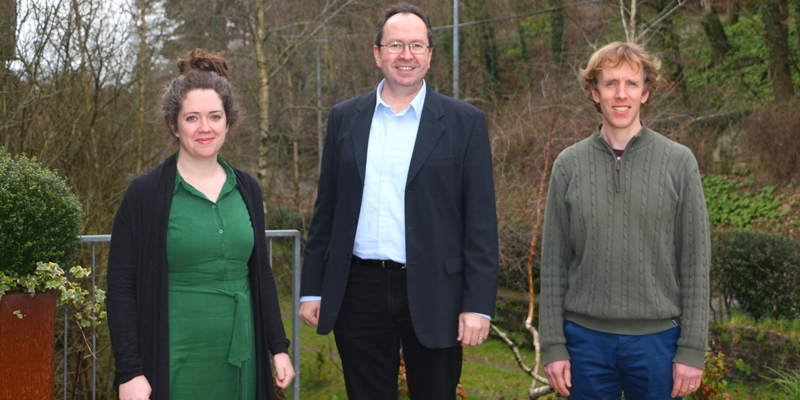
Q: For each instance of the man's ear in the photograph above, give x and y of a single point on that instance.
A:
(645, 96)
(595, 93)
(377, 52)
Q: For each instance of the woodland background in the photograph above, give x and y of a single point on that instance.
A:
(80, 82)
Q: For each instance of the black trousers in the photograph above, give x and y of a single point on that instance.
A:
(373, 323)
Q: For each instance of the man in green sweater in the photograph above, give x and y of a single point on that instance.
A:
(626, 249)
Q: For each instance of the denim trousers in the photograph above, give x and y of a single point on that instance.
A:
(604, 365)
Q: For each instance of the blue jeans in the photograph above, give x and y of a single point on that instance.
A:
(604, 365)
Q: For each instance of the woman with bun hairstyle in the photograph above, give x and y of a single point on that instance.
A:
(192, 303)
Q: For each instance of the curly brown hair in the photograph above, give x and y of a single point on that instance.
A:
(199, 70)
(613, 54)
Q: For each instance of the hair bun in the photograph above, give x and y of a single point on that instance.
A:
(200, 60)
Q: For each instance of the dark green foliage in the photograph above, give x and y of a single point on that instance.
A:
(738, 204)
(759, 271)
(41, 217)
(556, 31)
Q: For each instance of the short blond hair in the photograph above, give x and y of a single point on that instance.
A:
(612, 55)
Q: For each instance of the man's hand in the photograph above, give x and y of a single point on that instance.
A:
(284, 371)
(473, 329)
(309, 313)
(135, 389)
(559, 376)
(686, 379)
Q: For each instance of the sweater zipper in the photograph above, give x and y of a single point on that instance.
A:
(618, 167)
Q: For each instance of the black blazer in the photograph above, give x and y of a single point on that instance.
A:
(138, 313)
(451, 221)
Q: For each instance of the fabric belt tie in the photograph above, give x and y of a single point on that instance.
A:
(242, 334)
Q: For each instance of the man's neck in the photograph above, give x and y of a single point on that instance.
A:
(619, 138)
(399, 100)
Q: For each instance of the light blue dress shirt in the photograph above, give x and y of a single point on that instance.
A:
(381, 231)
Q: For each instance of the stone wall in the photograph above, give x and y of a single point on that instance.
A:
(750, 351)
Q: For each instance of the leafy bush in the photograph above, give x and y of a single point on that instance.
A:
(713, 384)
(41, 217)
(760, 271)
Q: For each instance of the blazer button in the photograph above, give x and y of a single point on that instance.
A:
(348, 256)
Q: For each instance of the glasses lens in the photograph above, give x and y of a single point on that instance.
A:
(395, 47)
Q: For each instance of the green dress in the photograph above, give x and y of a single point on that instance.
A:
(211, 331)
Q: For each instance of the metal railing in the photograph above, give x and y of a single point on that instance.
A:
(94, 239)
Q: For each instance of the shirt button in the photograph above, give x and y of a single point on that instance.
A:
(220, 231)
(214, 206)
(385, 180)
(382, 245)
(383, 213)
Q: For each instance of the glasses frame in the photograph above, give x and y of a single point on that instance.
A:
(423, 47)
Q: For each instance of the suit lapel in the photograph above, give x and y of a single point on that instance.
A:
(359, 130)
(430, 130)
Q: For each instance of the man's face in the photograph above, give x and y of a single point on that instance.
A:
(620, 93)
(403, 71)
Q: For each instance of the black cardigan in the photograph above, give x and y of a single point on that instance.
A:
(138, 315)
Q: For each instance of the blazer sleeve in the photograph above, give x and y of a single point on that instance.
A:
(480, 223)
(320, 229)
(121, 295)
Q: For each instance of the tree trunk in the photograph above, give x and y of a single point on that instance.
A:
(260, 37)
(732, 13)
(142, 83)
(775, 14)
(668, 40)
(8, 29)
(715, 32)
(556, 31)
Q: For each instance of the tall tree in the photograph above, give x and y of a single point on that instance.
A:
(8, 29)
(267, 68)
(556, 30)
(775, 14)
(715, 32)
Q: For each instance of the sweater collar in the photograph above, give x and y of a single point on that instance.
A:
(641, 139)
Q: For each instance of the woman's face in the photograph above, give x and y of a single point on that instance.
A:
(202, 124)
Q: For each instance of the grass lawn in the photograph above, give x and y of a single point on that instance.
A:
(489, 373)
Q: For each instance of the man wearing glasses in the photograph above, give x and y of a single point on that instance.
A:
(402, 248)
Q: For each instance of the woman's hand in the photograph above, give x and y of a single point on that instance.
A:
(138, 389)
(284, 371)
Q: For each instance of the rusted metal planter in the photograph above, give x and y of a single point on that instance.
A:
(26, 346)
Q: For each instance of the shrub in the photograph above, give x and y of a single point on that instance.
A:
(760, 271)
(713, 384)
(41, 217)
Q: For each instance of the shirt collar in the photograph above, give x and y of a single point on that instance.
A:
(416, 104)
(230, 182)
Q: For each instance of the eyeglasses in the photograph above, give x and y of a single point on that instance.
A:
(398, 47)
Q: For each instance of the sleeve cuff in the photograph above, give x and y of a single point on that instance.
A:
(691, 357)
(557, 352)
(304, 299)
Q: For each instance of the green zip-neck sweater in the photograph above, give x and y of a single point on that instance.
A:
(626, 245)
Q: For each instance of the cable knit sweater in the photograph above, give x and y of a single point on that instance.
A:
(626, 245)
